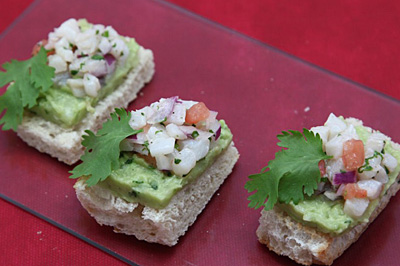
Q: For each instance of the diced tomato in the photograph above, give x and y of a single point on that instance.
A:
(39, 45)
(352, 190)
(321, 166)
(149, 159)
(353, 154)
(197, 113)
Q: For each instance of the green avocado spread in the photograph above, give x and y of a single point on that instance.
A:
(328, 216)
(137, 181)
(60, 106)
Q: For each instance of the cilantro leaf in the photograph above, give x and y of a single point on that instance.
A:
(293, 173)
(27, 79)
(102, 150)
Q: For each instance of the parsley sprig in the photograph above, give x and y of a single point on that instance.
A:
(102, 150)
(27, 80)
(293, 173)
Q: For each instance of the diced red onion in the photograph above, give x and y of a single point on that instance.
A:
(187, 130)
(344, 178)
(109, 58)
(132, 137)
(218, 133)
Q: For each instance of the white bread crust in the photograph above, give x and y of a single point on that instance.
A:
(166, 225)
(65, 143)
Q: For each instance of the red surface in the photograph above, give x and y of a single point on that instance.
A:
(337, 52)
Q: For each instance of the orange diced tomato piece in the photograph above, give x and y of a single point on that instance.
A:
(352, 190)
(39, 45)
(321, 166)
(353, 154)
(197, 113)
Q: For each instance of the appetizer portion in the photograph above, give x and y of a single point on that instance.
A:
(150, 172)
(74, 80)
(324, 189)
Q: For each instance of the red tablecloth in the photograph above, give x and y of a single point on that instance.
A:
(358, 40)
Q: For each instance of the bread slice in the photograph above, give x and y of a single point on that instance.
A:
(162, 226)
(65, 143)
(307, 245)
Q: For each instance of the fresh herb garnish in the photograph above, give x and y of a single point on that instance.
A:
(97, 57)
(177, 161)
(366, 166)
(293, 173)
(146, 145)
(102, 150)
(195, 134)
(74, 72)
(27, 80)
(105, 34)
(177, 146)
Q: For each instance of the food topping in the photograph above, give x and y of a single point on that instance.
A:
(358, 170)
(176, 133)
(84, 55)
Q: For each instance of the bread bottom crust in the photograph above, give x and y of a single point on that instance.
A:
(65, 143)
(306, 245)
(166, 225)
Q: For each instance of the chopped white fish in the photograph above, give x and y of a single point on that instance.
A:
(375, 141)
(323, 133)
(334, 147)
(174, 131)
(164, 162)
(104, 45)
(91, 85)
(68, 29)
(390, 162)
(355, 207)
(161, 146)
(76, 85)
(87, 41)
(58, 63)
(184, 161)
(138, 120)
(178, 114)
(157, 131)
(335, 125)
(200, 147)
(381, 175)
(373, 187)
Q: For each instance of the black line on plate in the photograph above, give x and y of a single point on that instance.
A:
(274, 49)
(20, 17)
(66, 229)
